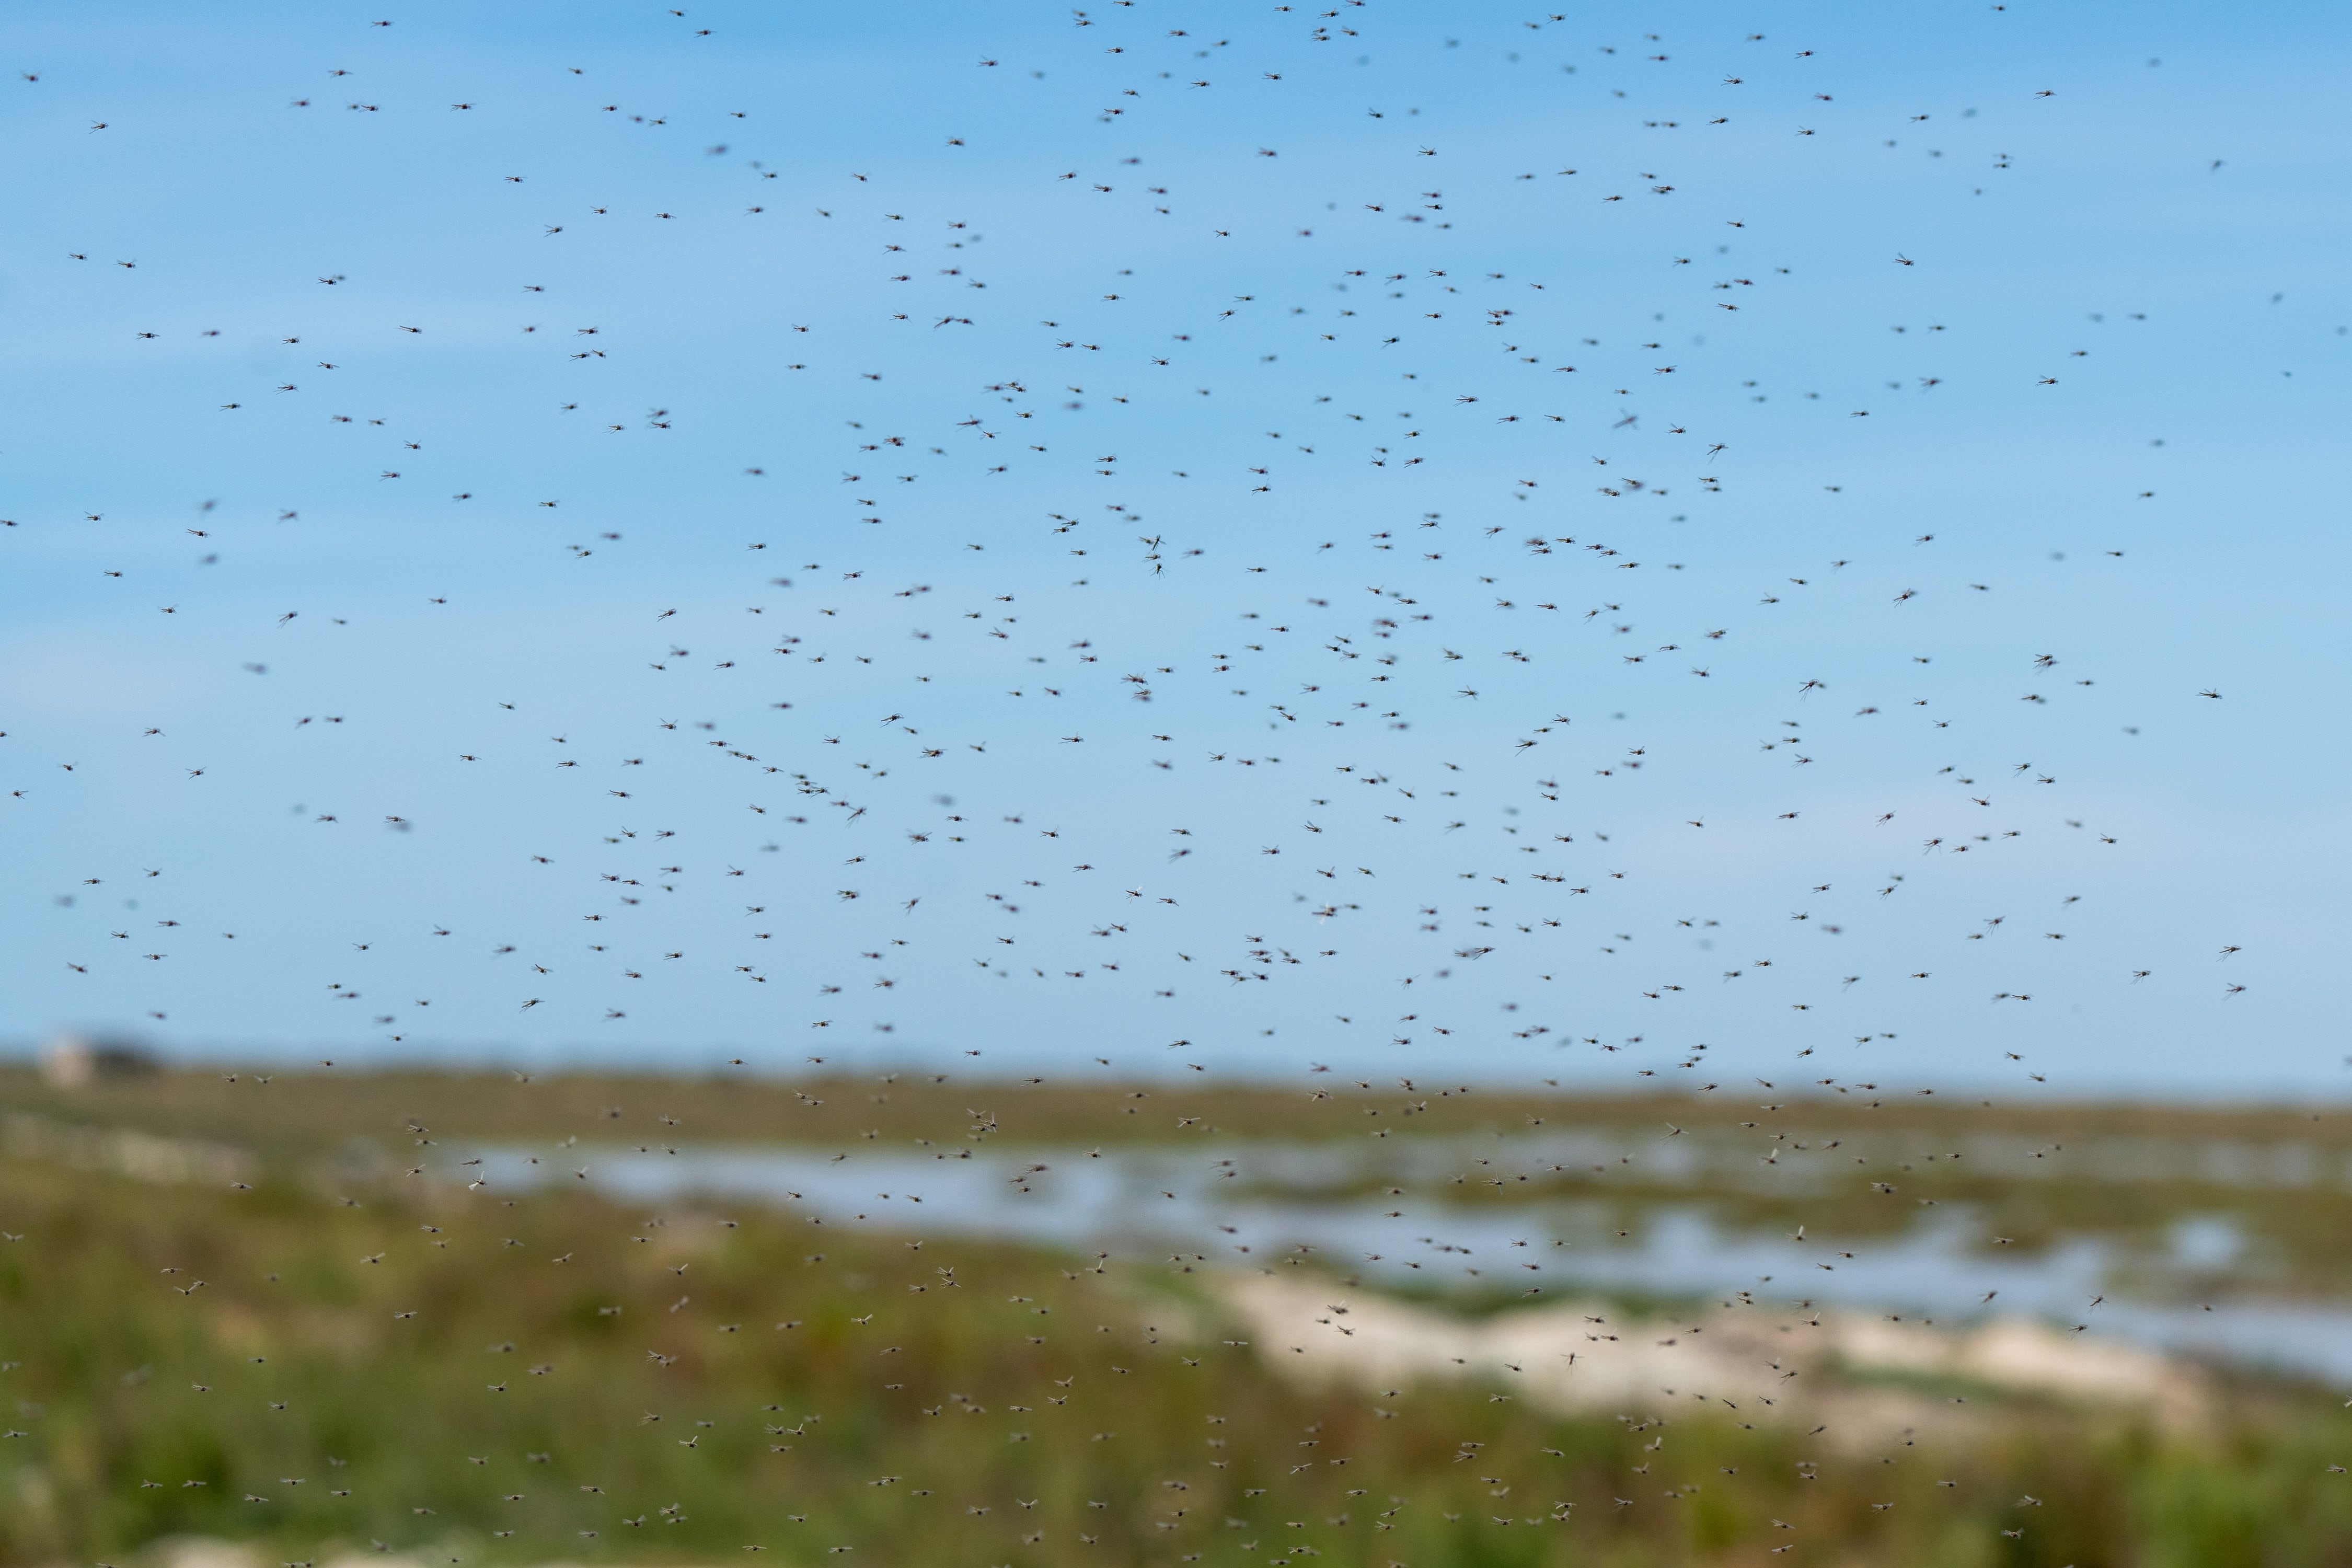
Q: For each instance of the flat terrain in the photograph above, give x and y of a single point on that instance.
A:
(318, 1107)
(278, 1309)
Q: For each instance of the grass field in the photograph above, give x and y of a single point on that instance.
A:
(318, 1107)
(321, 1366)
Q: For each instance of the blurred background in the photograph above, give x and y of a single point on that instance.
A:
(270, 1316)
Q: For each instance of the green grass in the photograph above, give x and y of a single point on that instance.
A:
(1030, 1385)
(317, 1108)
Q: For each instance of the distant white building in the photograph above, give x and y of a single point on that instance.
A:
(70, 1060)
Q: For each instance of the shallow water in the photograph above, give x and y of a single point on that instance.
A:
(1235, 1202)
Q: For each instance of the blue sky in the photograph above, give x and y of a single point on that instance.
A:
(890, 425)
